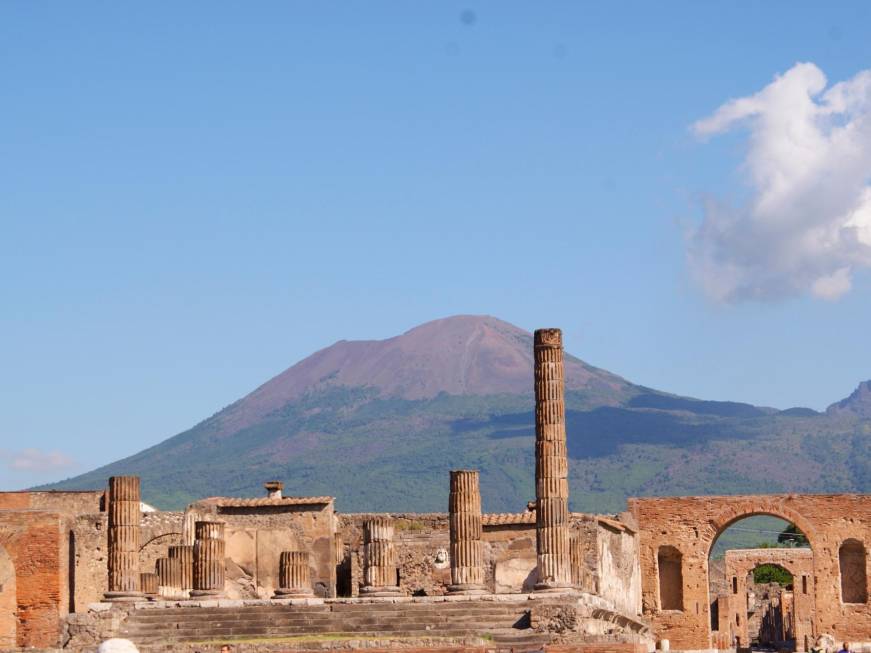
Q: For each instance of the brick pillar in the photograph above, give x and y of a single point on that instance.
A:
(467, 549)
(168, 577)
(379, 558)
(208, 559)
(551, 465)
(148, 581)
(184, 553)
(123, 539)
(293, 575)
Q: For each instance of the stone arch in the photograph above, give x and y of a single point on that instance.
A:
(759, 506)
(741, 508)
(851, 564)
(8, 602)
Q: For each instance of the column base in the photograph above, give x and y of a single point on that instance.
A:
(387, 590)
(207, 594)
(554, 587)
(121, 597)
(467, 588)
(293, 593)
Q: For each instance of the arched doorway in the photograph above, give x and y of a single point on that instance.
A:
(8, 602)
(760, 579)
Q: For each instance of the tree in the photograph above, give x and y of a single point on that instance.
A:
(772, 574)
(791, 536)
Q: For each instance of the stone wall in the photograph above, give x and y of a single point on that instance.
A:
(691, 524)
(257, 531)
(610, 555)
(617, 565)
(68, 503)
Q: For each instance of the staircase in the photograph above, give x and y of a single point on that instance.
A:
(502, 624)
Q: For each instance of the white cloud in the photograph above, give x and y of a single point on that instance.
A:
(36, 460)
(807, 224)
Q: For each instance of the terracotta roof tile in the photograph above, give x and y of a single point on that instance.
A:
(237, 502)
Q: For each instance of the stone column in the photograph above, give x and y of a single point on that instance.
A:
(551, 465)
(293, 575)
(184, 553)
(208, 559)
(379, 558)
(148, 581)
(123, 539)
(168, 577)
(467, 549)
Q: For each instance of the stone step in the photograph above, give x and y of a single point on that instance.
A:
(303, 628)
(210, 636)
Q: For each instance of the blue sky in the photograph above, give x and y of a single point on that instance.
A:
(194, 196)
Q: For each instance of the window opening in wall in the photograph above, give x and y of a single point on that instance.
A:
(734, 584)
(804, 584)
(670, 561)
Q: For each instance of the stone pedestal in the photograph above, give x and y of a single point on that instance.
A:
(123, 539)
(148, 581)
(379, 558)
(169, 577)
(551, 465)
(208, 559)
(467, 549)
(293, 575)
(184, 553)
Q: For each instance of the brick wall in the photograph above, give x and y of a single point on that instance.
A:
(33, 542)
(691, 524)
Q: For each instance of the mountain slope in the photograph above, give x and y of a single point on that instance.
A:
(378, 424)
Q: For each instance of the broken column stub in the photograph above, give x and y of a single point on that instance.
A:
(294, 576)
(169, 577)
(148, 581)
(123, 539)
(551, 465)
(380, 566)
(208, 559)
(467, 548)
(184, 553)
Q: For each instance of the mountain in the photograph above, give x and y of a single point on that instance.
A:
(858, 403)
(463, 355)
(379, 423)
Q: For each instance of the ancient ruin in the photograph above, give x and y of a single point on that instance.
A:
(551, 464)
(123, 538)
(281, 573)
(467, 549)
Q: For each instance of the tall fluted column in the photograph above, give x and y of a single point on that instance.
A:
(293, 575)
(379, 558)
(123, 539)
(467, 549)
(169, 577)
(208, 559)
(551, 465)
(184, 553)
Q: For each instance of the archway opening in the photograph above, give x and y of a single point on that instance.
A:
(8, 602)
(759, 570)
(770, 607)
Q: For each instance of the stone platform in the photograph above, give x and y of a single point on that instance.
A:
(492, 622)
